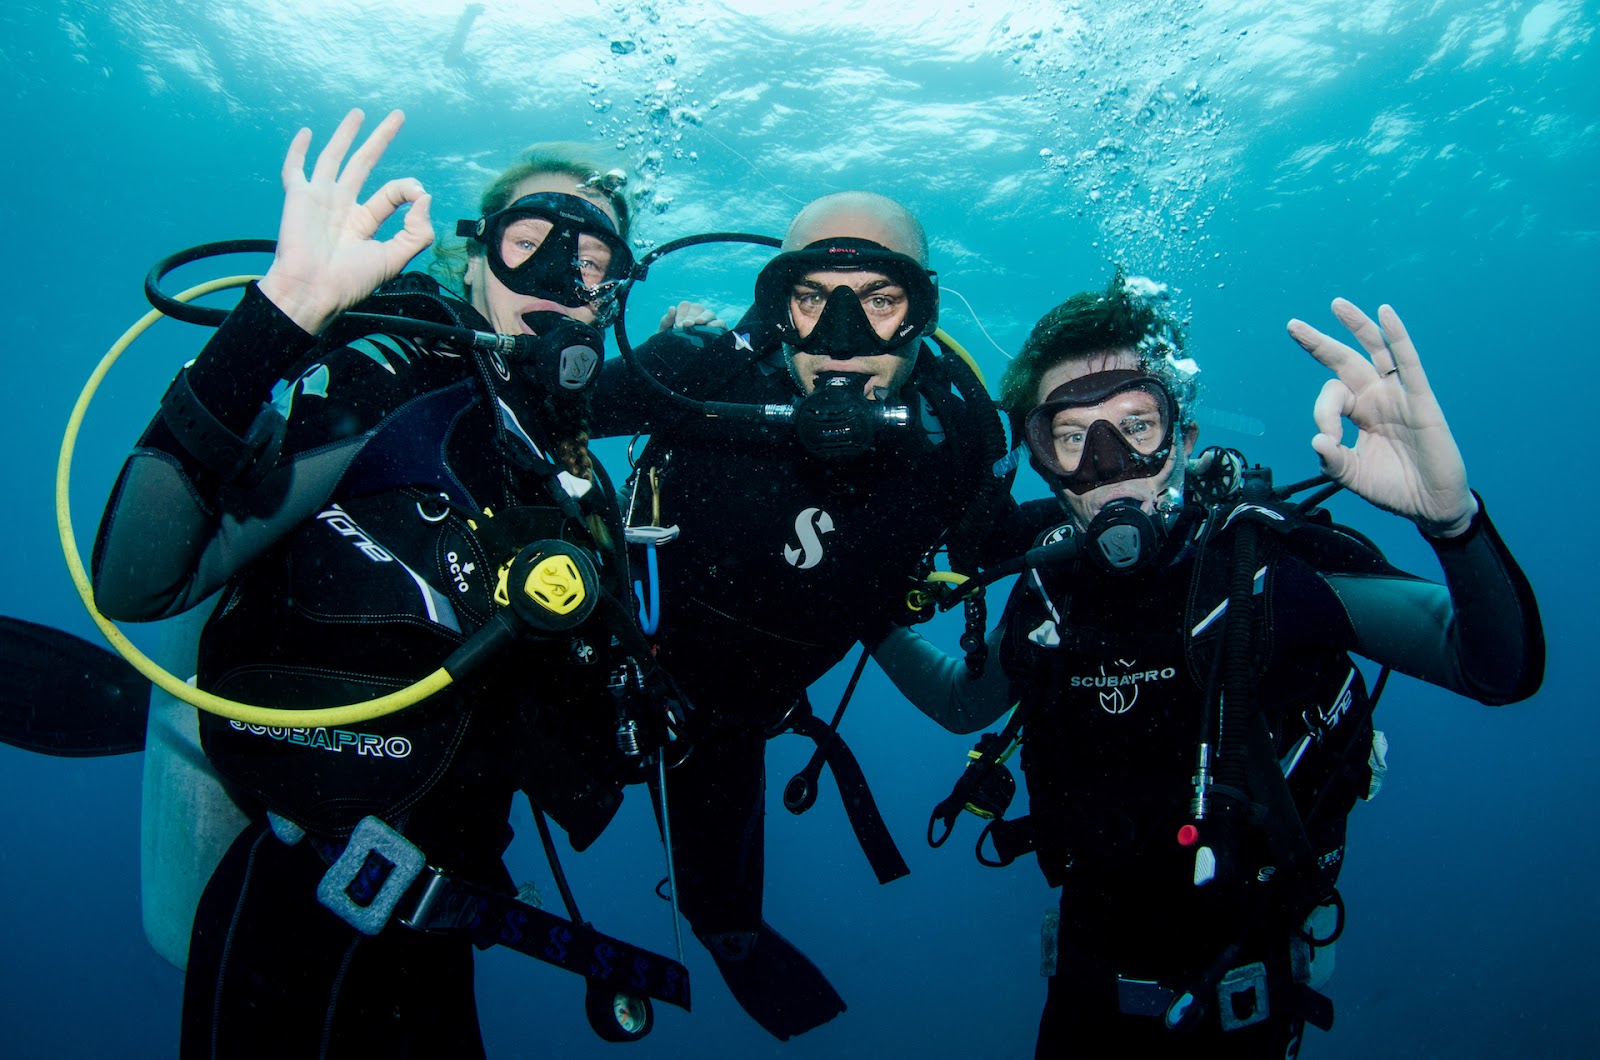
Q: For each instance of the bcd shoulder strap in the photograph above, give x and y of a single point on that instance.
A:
(973, 425)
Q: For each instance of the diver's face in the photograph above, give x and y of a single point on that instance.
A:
(503, 307)
(882, 301)
(1069, 424)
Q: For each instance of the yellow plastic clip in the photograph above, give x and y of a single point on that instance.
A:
(502, 595)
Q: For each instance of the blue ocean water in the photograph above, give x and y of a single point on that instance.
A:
(1258, 158)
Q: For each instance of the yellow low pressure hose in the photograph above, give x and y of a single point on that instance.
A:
(942, 337)
(270, 717)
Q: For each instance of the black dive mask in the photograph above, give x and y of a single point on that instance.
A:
(1133, 421)
(844, 328)
(554, 246)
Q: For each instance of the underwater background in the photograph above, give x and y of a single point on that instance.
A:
(1258, 158)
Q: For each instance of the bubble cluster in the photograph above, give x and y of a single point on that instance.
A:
(1131, 131)
(652, 101)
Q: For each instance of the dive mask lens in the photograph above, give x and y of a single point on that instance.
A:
(1103, 428)
(555, 246)
(843, 329)
(844, 317)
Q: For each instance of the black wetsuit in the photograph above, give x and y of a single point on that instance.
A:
(361, 558)
(783, 562)
(1112, 672)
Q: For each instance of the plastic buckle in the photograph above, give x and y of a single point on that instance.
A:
(650, 535)
(1142, 997)
(1242, 997)
(367, 882)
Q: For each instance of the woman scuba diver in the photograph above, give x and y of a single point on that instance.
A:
(357, 495)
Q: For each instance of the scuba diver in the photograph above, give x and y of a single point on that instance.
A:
(360, 524)
(1193, 731)
(779, 545)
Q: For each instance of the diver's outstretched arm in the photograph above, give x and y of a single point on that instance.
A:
(940, 685)
(327, 259)
(1405, 459)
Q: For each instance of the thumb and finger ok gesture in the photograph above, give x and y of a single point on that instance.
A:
(1405, 459)
(327, 258)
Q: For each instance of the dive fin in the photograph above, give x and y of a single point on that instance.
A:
(65, 696)
(774, 982)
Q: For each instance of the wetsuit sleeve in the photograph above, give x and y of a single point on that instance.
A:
(940, 685)
(250, 352)
(624, 403)
(175, 528)
(1479, 634)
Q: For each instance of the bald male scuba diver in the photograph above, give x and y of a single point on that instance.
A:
(1192, 727)
(372, 495)
(783, 539)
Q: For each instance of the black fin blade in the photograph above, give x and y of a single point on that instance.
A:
(61, 695)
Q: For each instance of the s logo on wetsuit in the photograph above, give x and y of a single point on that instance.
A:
(809, 525)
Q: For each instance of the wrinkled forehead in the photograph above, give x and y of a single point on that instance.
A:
(857, 280)
(1106, 360)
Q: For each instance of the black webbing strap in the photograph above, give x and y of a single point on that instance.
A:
(443, 904)
(1313, 1007)
(859, 806)
(800, 794)
(1256, 759)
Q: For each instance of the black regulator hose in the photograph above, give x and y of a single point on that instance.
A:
(1039, 557)
(641, 270)
(508, 346)
(185, 311)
